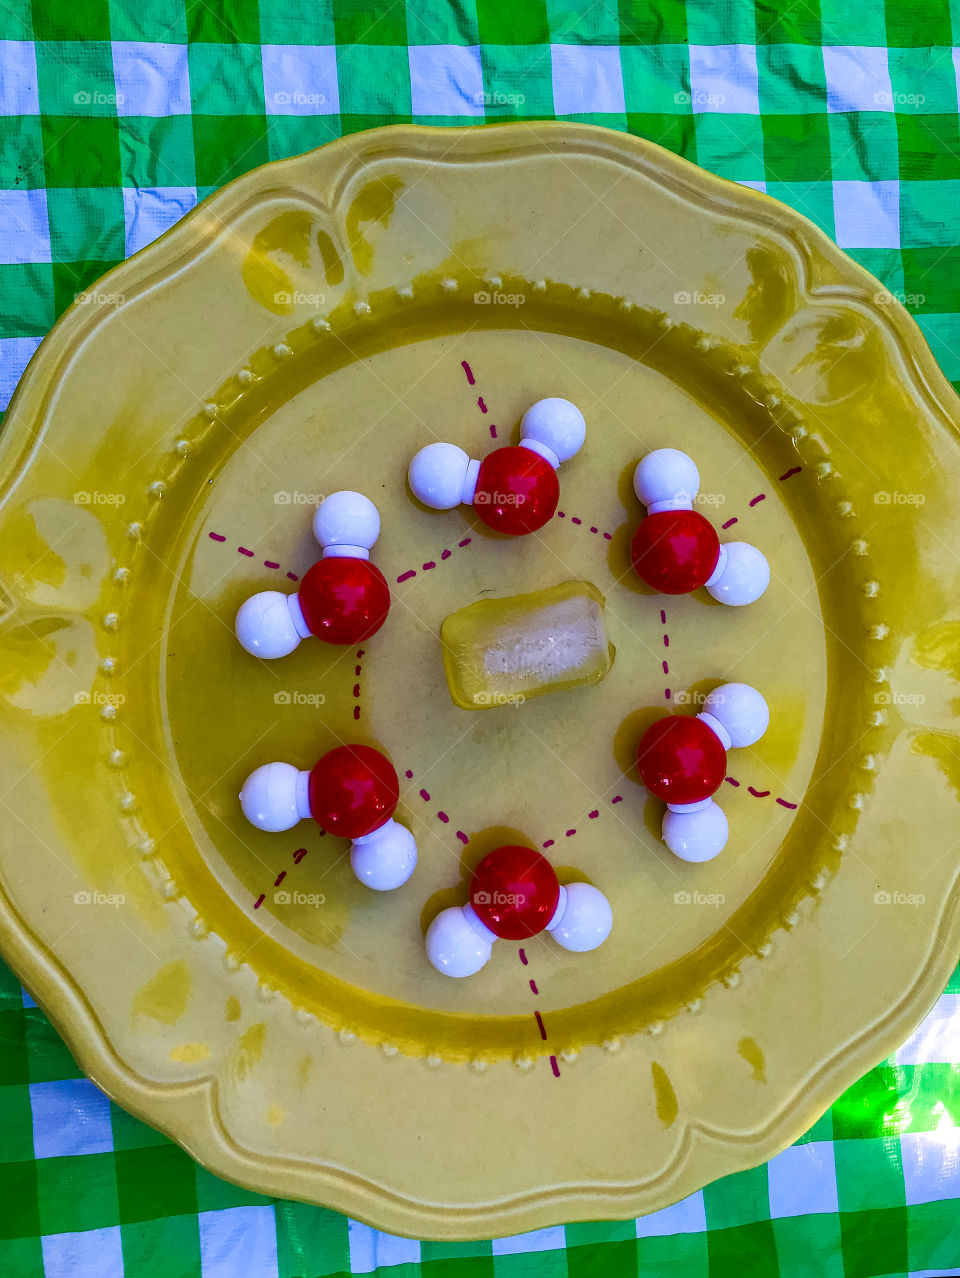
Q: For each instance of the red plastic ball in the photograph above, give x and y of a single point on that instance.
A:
(514, 891)
(681, 760)
(353, 791)
(517, 491)
(344, 600)
(675, 551)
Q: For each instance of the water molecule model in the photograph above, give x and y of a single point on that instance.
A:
(682, 759)
(352, 791)
(515, 489)
(343, 598)
(514, 894)
(676, 550)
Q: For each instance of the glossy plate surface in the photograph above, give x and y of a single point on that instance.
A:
(305, 330)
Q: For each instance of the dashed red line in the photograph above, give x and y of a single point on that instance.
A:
(469, 372)
(441, 815)
(575, 519)
(279, 879)
(731, 781)
(432, 563)
(757, 794)
(250, 554)
(729, 523)
(259, 901)
(759, 497)
(356, 687)
(533, 986)
(217, 537)
(300, 854)
(617, 798)
(762, 794)
(784, 804)
(480, 404)
(243, 551)
(555, 1067)
(543, 1032)
(297, 858)
(493, 431)
(794, 470)
(523, 958)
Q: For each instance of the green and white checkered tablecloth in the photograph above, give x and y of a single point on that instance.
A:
(116, 116)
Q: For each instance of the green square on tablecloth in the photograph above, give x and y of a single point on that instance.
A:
(791, 79)
(779, 23)
(236, 22)
(678, 1254)
(933, 1235)
(929, 147)
(130, 1133)
(746, 1251)
(225, 148)
(76, 78)
(13, 1023)
(675, 132)
(516, 81)
(874, 1242)
(26, 310)
(168, 1247)
(548, 1264)
(442, 22)
(934, 274)
(159, 1181)
(69, 279)
(814, 200)
(863, 146)
(370, 22)
(80, 151)
(643, 23)
(22, 1257)
(226, 79)
(721, 24)
(16, 20)
(869, 1174)
(590, 1232)
(49, 1057)
(796, 148)
(292, 134)
(923, 81)
(213, 1194)
(844, 23)
(809, 1246)
(296, 22)
(322, 1235)
(929, 213)
(78, 20)
(77, 1192)
(740, 1199)
(18, 1194)
(21, 152)
(573, 23)
(157, 152)
(88, 220)
(730, 145)
(163, 24)
(374, 79)
(656, 78)
(465, 1267)
(918, 25)
(510, 22)
(16, 1129)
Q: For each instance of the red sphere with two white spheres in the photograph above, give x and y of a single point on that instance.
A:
(352, 792)
(342, 599)
(514, 489)
(515, 894)
(682, 759)
(676, 550)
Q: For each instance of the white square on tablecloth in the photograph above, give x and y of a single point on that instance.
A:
(937, 1038)
(149, 211)
(372, 1249)
(91, 1253)
(553, 1238)
(587, 78)
(803, 1180)
(18, 78)
(688, 1216)
(931, 1165)
(300, 79)
(238, 1241)
(24, 228)
(151, 79)
(15, 355)
(70, 1116)
(724, 79)
(445, 79)
(858, 78)
(867, 214)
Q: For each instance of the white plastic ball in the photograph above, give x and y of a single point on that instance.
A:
(696, 836)
(269, 797)
(743, 577)
(742, 711)
(557, 424)
(455, 946)
(346, 518)
(667, 475)
(437, 474)
(265, 627)
(586, 921)
(385, 859)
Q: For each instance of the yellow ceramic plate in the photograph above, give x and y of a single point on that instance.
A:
(307, 329)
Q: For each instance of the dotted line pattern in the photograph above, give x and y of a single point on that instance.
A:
(440, 814)
(250, 554)
(432, 563)
(554, 1066)
(356, 687)
(297, 858)
(794, 470)
(762, 794)
(575, 519)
